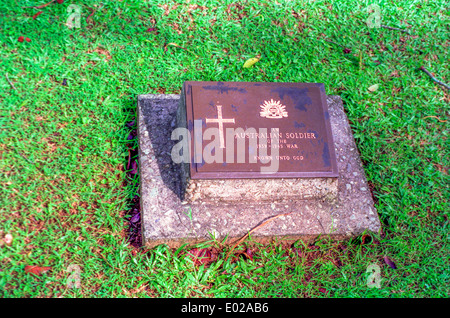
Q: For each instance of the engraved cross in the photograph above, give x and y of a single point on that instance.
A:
(220, 121)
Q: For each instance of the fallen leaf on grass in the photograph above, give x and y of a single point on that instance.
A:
(373, 88)
(130, 136)
(174, 44)
(323, 290)
(337, 262)
(347, 51)
(90, 15)
(135, 218)
(134, 167)
(36, 270)
(298, 251)
(366, 239)
(37, 14)
(390, 263)
(103, 51)
(250, 62)
(8, 239)
(200, 256)
(43, 5)
(249, 254)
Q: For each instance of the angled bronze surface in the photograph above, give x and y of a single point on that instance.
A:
(291, 118)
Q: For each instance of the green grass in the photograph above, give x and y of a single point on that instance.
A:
(63, 148)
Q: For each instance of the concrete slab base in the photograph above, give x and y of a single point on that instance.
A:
(166, 219)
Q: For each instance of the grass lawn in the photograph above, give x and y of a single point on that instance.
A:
(67, 94)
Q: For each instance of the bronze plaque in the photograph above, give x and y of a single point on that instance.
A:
(258, 130)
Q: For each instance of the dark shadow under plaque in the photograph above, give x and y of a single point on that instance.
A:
(158, 116)
(169, 218)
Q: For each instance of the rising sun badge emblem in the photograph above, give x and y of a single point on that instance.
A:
(273, 109)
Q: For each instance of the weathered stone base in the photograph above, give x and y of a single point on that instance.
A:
(167, 219)
(257, 190)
